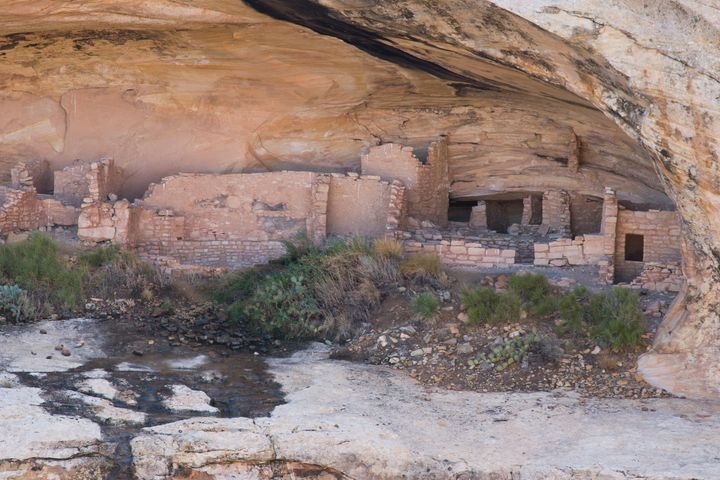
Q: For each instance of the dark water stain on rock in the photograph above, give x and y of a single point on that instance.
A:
(321, 20)
(236, 382)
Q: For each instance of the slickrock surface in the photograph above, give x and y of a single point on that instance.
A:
(37, 444)
(340, 420)
(372, 423)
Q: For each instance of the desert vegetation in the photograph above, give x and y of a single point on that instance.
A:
(312, 292)
(40, 279)
(613, 319)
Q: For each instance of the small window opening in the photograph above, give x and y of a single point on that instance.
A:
(461, 210)
(634, 247)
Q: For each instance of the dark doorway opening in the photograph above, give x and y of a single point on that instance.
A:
(634, 247)
(585, 214)
(503, 213)
(460, 210)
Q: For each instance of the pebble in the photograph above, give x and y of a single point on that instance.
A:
(65, 352)
(465, 348)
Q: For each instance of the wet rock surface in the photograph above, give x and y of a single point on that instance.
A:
(339, 420)
(371, 422)
(74, 415)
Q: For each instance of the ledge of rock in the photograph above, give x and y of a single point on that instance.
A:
(37, 444)
(345, 420)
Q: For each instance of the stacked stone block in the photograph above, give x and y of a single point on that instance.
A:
(556, 211)
(661, 277)
(459, 252)
(317, 218)
(32, 173)
(396, 209)
(427, 184)
(20, 210)
(478, 216)
(661, 235)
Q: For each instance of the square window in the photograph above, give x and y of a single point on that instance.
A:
(634, 247)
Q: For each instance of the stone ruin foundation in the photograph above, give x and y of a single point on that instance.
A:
(208, 221)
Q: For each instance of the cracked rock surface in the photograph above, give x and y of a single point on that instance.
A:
(340, 420)
(365, 422)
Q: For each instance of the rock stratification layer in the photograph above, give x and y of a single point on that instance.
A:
(222, 85)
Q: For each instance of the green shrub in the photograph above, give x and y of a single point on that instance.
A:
(99, 256)
(571, 307)
(535, 293)
(514, 350)
(38, 266)
(616, 318)
(110, 272)
(313, 294)
(425, 305)
(234, 286)
(15, 306)
(484, 305)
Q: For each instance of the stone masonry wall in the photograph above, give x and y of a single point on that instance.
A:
(661, 239)
(662, 277)
(32, 173)
(478, 216)
(582, 250)
(233, 220)
(57, 213)
(20, 210)
(485, 251)
(357, 205)
(461, 252)
(86, 182)
(426, 183)
(591, 249)
(556, 210)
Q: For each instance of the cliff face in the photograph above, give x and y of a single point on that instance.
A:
(221, 85)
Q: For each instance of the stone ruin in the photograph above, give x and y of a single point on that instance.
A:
(209, 221)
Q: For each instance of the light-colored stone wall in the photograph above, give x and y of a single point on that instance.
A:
(86, 182)
(461, 252)
(233, 220)
(478, 216)
(57, 213)
(662, 277)
(426, 182)
(253, 206)
(661, 239)
(556, 210)
(591, 249)
(32, 173)
(358, 205)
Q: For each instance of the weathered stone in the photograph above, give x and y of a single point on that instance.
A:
(354, 420)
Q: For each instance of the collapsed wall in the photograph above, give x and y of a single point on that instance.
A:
(425, 179)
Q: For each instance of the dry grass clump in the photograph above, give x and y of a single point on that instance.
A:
(423, 268)
(115, 273)
(388, 248)
(608, 361)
